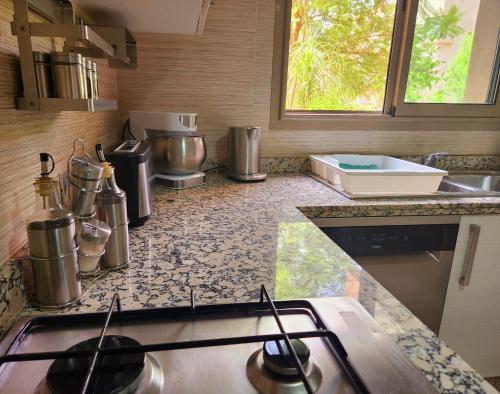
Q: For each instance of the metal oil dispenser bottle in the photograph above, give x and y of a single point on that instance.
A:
(111, 207)
(51, 239)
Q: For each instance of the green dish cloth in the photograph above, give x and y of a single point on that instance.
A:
(346, 166)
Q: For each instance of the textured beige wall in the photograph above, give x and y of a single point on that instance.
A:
(224, 75)
(24, 134)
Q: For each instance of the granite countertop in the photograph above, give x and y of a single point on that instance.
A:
(225, 239)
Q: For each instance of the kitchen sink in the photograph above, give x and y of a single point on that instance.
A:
(450, 187)
(490, 182)
(471, 184)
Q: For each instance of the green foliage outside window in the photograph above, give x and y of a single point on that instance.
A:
(339, 52)
(456, 76)
(339, 55)
(426, 81)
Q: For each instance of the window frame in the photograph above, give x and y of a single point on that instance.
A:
(395, 114)
(433, 109)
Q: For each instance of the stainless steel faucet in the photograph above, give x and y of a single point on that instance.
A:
(431, 159)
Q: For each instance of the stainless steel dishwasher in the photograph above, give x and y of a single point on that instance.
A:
(410, 256)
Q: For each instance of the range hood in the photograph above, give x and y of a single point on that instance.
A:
(150, 16)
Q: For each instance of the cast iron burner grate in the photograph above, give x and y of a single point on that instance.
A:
(266, 304)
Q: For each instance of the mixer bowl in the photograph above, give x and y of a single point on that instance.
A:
(178, 153)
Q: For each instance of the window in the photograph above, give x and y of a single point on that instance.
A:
(380, 59)
(339, 54)
(452, 68)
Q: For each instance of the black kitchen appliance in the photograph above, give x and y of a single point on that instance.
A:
(134, 174)
(410, 256)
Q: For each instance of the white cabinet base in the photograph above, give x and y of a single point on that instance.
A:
(471, 316)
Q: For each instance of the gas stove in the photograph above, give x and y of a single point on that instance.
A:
(328, 345)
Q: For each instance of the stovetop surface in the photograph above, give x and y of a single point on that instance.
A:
(223, 369)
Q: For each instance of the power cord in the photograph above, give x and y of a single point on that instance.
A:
(126, 127)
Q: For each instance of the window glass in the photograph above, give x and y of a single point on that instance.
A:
(339, 54)
(454, 52)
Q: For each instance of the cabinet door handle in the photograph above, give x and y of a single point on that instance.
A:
(470, 254)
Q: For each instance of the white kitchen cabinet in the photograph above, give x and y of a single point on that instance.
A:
(471, 316)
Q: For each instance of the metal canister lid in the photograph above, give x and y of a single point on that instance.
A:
(62, 218)
(66, 58)
(95, 231)
(82, 168)
(41, 57)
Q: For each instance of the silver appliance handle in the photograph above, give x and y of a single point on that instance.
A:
(433, 256)
(470, 254)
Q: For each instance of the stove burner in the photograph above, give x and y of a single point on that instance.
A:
(271, 370)
(116, 373)
(279, 360)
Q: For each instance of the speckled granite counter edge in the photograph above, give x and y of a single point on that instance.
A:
(487, 206)
(13, 295)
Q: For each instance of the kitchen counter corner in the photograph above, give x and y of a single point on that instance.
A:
(225, 239)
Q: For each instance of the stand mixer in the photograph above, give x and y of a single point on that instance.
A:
(178, 149)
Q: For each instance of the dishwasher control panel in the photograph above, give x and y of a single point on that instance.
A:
(377, 240)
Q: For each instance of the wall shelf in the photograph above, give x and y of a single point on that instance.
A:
(83, 33)
(62, 104)
(114, 43)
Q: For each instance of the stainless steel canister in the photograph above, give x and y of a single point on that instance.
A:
(68, 76)
(93, 236)
(244, 153)
(111, 211)
(85, 92)
(111, 207)
(52, 238)
(79, 200)
(85, 172)
(82, 201)
(83, 181)
(117, 252)
(43, 74)
(53, 253)
(92, 239)
(57, 280)
(87, 65)
(95, 85)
